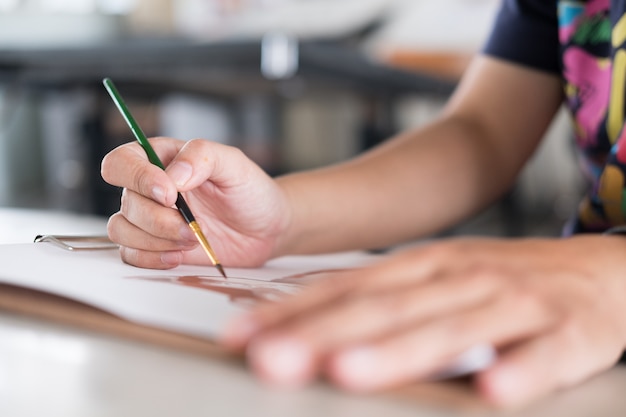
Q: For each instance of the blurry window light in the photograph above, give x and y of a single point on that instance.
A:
(119, 7)
(279, 56)
(8, 5)
(67, 6)
(115, 7)
(258, 4)
(228, 7)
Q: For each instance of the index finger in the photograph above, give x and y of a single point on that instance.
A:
(404, 270)
(127, 166)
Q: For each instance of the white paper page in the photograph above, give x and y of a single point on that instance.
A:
(193, 300)
(188, 299)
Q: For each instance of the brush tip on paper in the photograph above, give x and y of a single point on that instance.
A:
(221, 269)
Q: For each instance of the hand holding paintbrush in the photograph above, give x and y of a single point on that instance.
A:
(181, 204)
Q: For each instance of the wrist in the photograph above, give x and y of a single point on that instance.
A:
(285, 241)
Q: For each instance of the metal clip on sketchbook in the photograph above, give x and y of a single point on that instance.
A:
(77, 243)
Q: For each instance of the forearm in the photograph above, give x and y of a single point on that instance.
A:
(418, 184)
(429, 179)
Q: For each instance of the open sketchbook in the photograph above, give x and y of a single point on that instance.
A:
(189, 300)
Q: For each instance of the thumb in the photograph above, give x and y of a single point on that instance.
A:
(201, 160)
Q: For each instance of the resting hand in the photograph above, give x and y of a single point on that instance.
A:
(240, 209)
(553, 308)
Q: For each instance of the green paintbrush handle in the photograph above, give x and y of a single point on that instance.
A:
(132, 123)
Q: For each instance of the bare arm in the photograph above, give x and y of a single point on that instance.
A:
(413, 185)
(425, 180)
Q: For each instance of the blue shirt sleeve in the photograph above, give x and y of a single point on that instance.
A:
(526, 32)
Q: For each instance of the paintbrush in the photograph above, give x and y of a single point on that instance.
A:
(181, 204)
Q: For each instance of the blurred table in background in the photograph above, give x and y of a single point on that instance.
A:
(255, 81)
(217, 68)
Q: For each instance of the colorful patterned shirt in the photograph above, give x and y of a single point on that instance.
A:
(585, 42)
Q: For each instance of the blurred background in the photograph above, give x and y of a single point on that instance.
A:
(296, 84)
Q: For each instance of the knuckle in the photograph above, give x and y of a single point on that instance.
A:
(105, 168)
(125, 201)
(108, 166)
(197, 142)
(157, 227)
(141, 259)
(128, 255)
(140, 178)
(482, 276)
(196, 147)
(236, 152)
(113, 227)
(196, 151)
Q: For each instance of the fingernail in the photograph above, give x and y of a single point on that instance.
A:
(172, 258)
(180, 173)
(239, 331)
(504, 385)
(355, 367)
(158, 194)
(282, 361)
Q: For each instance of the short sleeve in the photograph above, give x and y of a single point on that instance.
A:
(527, 32)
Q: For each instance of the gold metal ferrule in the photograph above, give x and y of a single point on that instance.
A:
(205, 245)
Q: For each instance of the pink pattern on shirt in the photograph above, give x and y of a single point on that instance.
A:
(592, 79)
